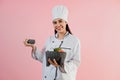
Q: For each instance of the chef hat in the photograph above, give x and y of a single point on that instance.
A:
(61, 12)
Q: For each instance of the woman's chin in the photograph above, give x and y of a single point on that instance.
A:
(59, 31)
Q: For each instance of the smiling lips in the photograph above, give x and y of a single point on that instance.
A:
(59, 27)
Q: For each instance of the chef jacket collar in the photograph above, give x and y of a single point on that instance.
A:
(66, 34)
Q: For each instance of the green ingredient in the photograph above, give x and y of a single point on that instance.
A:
(57, 49)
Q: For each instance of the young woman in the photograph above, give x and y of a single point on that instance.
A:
(69, 44)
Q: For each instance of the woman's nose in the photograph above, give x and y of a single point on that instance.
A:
(57, 24)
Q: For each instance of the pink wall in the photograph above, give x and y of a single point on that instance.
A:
(95, 22)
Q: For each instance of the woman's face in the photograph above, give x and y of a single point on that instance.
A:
(59, 25)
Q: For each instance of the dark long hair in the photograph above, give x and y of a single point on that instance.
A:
(67, 29)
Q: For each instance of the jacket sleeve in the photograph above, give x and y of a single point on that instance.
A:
(73, 63)
(37, 54)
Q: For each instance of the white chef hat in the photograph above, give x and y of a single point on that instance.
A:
(61, 12)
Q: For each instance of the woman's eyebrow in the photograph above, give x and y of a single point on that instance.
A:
(60, 19)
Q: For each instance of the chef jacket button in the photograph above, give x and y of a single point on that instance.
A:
(45, 76)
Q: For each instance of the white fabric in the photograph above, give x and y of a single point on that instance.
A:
(60, 12)
(71, 45)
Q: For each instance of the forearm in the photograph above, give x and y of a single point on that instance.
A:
(36, 54)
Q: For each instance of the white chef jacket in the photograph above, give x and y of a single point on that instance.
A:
(70, 45)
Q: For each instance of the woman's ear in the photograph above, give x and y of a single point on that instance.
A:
(66, 22)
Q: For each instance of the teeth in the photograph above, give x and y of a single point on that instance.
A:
(59, 27)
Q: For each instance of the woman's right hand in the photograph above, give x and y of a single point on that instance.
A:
(28, 45)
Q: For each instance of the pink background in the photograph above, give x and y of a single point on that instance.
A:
(95, 22)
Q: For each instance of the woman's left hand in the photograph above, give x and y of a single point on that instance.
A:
(53, 62)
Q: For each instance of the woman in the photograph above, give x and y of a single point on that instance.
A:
(69, 44)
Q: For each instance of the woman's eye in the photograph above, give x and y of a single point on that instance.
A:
(54, 22)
